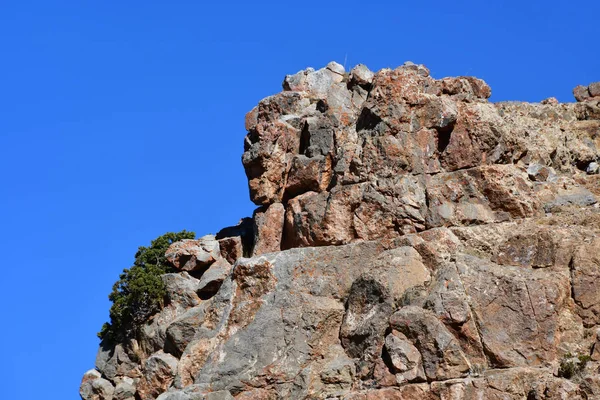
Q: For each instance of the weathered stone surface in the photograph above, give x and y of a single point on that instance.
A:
(94, 387)
(540, 173)
(528, 302)
(308, 174)
(585, 275)
(213, 278)
(405, 358)
(193, 255)
(181, 332)
(268, 229)
(124, 391)
(479, 195)
(159, 372)
(442, 356)
(570, 196)
(581, 93)
(361, 75)
(232, 248)
(236, 241)
(365, 321)
(113, 361)
(181, 290)
(528, 250)
(413, 241)
(594, 89)
(587, 93)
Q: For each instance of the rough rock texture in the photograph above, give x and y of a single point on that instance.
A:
(412, 241)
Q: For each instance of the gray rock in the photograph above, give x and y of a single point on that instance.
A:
(572, 196)
(291, 304)
(336, 68)
(442, 355)
(517, 310)
(317, 83)
(181, 289)
(161, 362)
(361, 75)
(159, 372)
(92, 374)
(191, 394)
(213, 278)
(338, 371)
(176, 395)
(594, 89)
(419, 68)
(365, 321)
(193, 255)
(113, 360)
(317, 137)
(593, 168)
(541, 173)
(124, 391)
(220, 395)
(403, 354)
(93, 387)
(181, 332)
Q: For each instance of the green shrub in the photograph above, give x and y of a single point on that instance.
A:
(572, 365)
(139, 293)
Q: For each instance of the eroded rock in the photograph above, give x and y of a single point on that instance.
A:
(412, 241)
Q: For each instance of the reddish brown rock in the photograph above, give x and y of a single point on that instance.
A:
(308, 175)
(268, 229)
(530, 304)
(267, 161)
(414, 391)
(534, 250)
(479, 195)
(236, 241)
(585, 275)
(232, 248)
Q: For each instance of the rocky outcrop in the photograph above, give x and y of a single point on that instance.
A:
(412, 241)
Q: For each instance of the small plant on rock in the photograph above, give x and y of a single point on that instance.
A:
(139, 293)
(571, 366)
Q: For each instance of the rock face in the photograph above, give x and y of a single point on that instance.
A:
(412, 241)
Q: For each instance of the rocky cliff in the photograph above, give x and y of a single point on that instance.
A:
(412, 241)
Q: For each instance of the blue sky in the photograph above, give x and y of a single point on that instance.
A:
(122, 120)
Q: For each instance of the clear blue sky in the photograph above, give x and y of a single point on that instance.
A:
(122, 120)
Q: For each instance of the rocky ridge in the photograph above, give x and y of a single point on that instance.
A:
(412, 241)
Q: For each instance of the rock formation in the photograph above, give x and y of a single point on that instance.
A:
(412, 241)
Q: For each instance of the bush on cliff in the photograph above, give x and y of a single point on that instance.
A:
(139, 293)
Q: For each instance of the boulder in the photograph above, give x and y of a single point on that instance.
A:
(159, 372)
(193, 255)
(94, 387)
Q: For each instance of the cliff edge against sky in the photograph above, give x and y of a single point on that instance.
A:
(412, 241)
